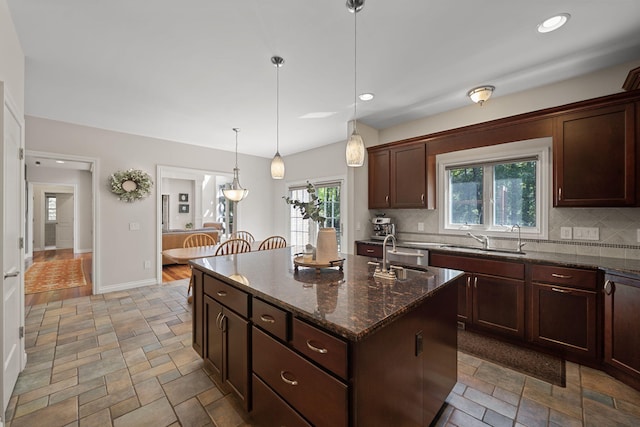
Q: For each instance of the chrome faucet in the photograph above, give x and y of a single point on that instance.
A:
(520, 244)
(385, 272)
(482, 239)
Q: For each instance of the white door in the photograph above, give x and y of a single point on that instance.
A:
(12, 291)
(64, 220)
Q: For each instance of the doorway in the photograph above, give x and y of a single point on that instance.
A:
(61, 259)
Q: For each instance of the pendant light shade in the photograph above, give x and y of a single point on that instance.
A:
(355, 145)
(277, 164)
(235, 192)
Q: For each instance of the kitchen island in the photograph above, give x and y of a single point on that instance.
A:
(335, 347)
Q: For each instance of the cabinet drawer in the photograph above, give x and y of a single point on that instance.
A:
(367, 249)
(269, 410)
(512, 270)
(586, 279)
(327, 350)
(271, 319)
(226, 294)
(319, 396)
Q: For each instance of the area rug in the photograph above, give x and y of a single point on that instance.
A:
(54, 275)
(535, 364)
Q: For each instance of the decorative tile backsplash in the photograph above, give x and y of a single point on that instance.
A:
(617, 227)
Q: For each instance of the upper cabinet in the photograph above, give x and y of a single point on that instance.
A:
(398, 177)
(595, 158)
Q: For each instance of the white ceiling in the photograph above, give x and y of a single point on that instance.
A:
(191, 70)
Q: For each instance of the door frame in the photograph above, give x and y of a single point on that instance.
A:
(95, 195)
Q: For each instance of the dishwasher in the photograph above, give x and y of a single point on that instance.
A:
(408, 256)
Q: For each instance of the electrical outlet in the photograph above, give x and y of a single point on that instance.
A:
(566, 233)
(358, 226)
(147, 264)
(586, 233)
(421, 226)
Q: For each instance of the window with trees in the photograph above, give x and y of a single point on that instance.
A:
(303, 230)
(491, 189)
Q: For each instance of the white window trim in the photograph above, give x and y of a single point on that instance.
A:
(540, 147)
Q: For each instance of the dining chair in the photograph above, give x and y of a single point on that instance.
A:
(273, 242)
(194, 240)
(233, 246)
(243, 235)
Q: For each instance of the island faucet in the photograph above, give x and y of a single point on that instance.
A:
(384, 251)
(482, 239)
(520, 244)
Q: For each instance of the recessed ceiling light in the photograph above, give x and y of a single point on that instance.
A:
(60, 161)
(366, 96)
(553, 23)
(318, 115)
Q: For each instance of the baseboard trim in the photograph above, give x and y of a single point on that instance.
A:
(125, 286)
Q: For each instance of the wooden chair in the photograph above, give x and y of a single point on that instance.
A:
(233, 246)
(273, 242)
(194, 240)
(243, 235)
(198, 239)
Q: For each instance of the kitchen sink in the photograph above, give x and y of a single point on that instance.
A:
(481, 250)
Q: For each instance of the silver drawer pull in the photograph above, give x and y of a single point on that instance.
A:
(561, 276)
(222, 293)
(287, 380)
(562, 291)
(267, 318)
(316, 349)
(14, 273)
(370, 251)
(608, 287)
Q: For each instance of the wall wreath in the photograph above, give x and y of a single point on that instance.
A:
(131, 185)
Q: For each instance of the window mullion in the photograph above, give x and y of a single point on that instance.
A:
(488, 197)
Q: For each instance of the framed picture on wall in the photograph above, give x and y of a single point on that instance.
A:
(183, 208)
(183, 197)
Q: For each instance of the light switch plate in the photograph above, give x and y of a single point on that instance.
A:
(586, 233)
(566, 233)
(134, 226)
(421, 226)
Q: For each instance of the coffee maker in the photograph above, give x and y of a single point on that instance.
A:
(382, 227)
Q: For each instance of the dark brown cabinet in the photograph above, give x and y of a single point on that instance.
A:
(563, 309)
(399, 177)
(621, 320)
(492, 295)
(379, 179)
(594, 159)
(197, 313)
(367, 249)
(226, 335)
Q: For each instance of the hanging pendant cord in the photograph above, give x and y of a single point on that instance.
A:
(236, 130)
(355, 64)
(277, 108)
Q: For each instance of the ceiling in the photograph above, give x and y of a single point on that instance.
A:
(191, 70)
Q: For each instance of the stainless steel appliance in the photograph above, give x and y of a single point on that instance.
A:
(382, 227)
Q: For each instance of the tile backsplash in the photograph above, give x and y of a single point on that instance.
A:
(618, 228)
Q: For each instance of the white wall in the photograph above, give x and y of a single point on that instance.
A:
(82, 181)
(12, 63)
(122, 252)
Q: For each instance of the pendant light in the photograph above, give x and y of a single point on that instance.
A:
(277, 164)
(355, 144)
(235, 192)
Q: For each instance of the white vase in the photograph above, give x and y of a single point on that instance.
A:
(327, 245)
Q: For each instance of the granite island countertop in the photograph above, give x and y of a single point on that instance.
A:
(627, 267)
(349, 303)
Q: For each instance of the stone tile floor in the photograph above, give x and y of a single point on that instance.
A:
(125, 359)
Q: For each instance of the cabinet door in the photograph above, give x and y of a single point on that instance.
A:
(621, 320)
(379, 176)
(409, 176)
(212, 312)
(594, 158)
(498, 304)
(235, 357)
(198, 333)
(564, 318)
(465, 301)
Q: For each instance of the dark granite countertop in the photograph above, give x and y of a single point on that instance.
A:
(350, 303)
(626, 267)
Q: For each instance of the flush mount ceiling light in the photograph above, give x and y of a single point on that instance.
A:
(277, 164)
(235, 192)
(480, 94)
(553, 23)
(366, 96)
(355, 145)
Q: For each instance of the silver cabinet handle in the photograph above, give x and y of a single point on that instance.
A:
(14, 273)
(218, 321)
(608, 287)
(267, 318)
(386, 199)
(223, 323)
(222, 293)
(468, 281)
(475, 282)
(559, 193)
(287, 380)
(561, 276)
(422, 199)
(316, 349)
(562, 291)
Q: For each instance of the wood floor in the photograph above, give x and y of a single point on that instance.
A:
(170, 273)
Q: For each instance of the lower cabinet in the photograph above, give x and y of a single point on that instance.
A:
(367, 249)
(197, 311)
(621, 320)
(563, 310)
